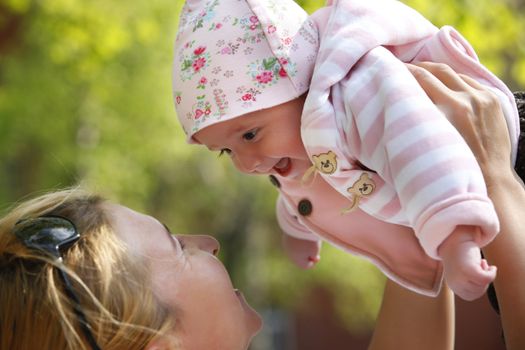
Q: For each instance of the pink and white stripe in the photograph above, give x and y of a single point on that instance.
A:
(365, 106)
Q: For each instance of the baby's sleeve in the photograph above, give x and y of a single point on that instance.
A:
(290, 224)
(403, 136)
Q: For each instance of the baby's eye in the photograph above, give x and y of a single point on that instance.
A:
(250, 135)
(225, 150)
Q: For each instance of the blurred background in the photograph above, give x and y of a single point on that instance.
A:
(85, 98)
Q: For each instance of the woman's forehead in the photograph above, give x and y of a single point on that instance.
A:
(142, 234)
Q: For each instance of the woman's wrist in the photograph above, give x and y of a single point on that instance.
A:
(501, 179)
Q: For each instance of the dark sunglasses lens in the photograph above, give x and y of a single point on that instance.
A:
(47, 234)
(51, 234)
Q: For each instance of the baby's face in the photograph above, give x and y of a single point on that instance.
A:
(267, 141)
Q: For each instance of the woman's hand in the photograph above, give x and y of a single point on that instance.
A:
(474, 111)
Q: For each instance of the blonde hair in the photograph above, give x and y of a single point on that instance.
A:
(112, 285)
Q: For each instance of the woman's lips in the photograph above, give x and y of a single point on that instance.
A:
(283, 166)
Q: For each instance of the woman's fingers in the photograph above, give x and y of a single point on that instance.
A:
(473, 109)
(435, 88)
(446, 75)
(473, 83)
(442, 84)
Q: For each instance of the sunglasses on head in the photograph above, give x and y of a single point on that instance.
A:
(52, 235)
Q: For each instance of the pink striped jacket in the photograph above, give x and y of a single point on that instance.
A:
(365, 111)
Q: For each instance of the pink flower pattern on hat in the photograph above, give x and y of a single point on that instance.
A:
(193, 62)
(269, 70)
(236, 56)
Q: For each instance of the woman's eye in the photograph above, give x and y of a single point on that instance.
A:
(181, 242)
(250, 135)
(225, 151)
(174, 237)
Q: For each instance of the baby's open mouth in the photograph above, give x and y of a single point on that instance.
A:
(283, 166)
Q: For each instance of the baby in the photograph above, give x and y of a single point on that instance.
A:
(327, 107)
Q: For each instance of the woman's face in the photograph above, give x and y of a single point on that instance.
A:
(188, 278)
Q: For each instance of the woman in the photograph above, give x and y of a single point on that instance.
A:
(123, 283)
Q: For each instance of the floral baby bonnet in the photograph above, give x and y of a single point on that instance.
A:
(233, 57)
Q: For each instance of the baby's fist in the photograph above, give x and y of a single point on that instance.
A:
(304, 253)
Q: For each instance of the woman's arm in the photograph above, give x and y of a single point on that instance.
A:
(507, 252)
(476, 114)
(411, 321)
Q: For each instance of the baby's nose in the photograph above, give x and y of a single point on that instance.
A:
(248, 164)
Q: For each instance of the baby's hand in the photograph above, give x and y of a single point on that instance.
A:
(466, 273)
(303, 253)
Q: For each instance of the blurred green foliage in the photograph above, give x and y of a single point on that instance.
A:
(85, 98)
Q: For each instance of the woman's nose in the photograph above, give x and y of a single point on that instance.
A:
(205, 242)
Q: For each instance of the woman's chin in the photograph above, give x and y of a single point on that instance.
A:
(254, 321)
(255, 326)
